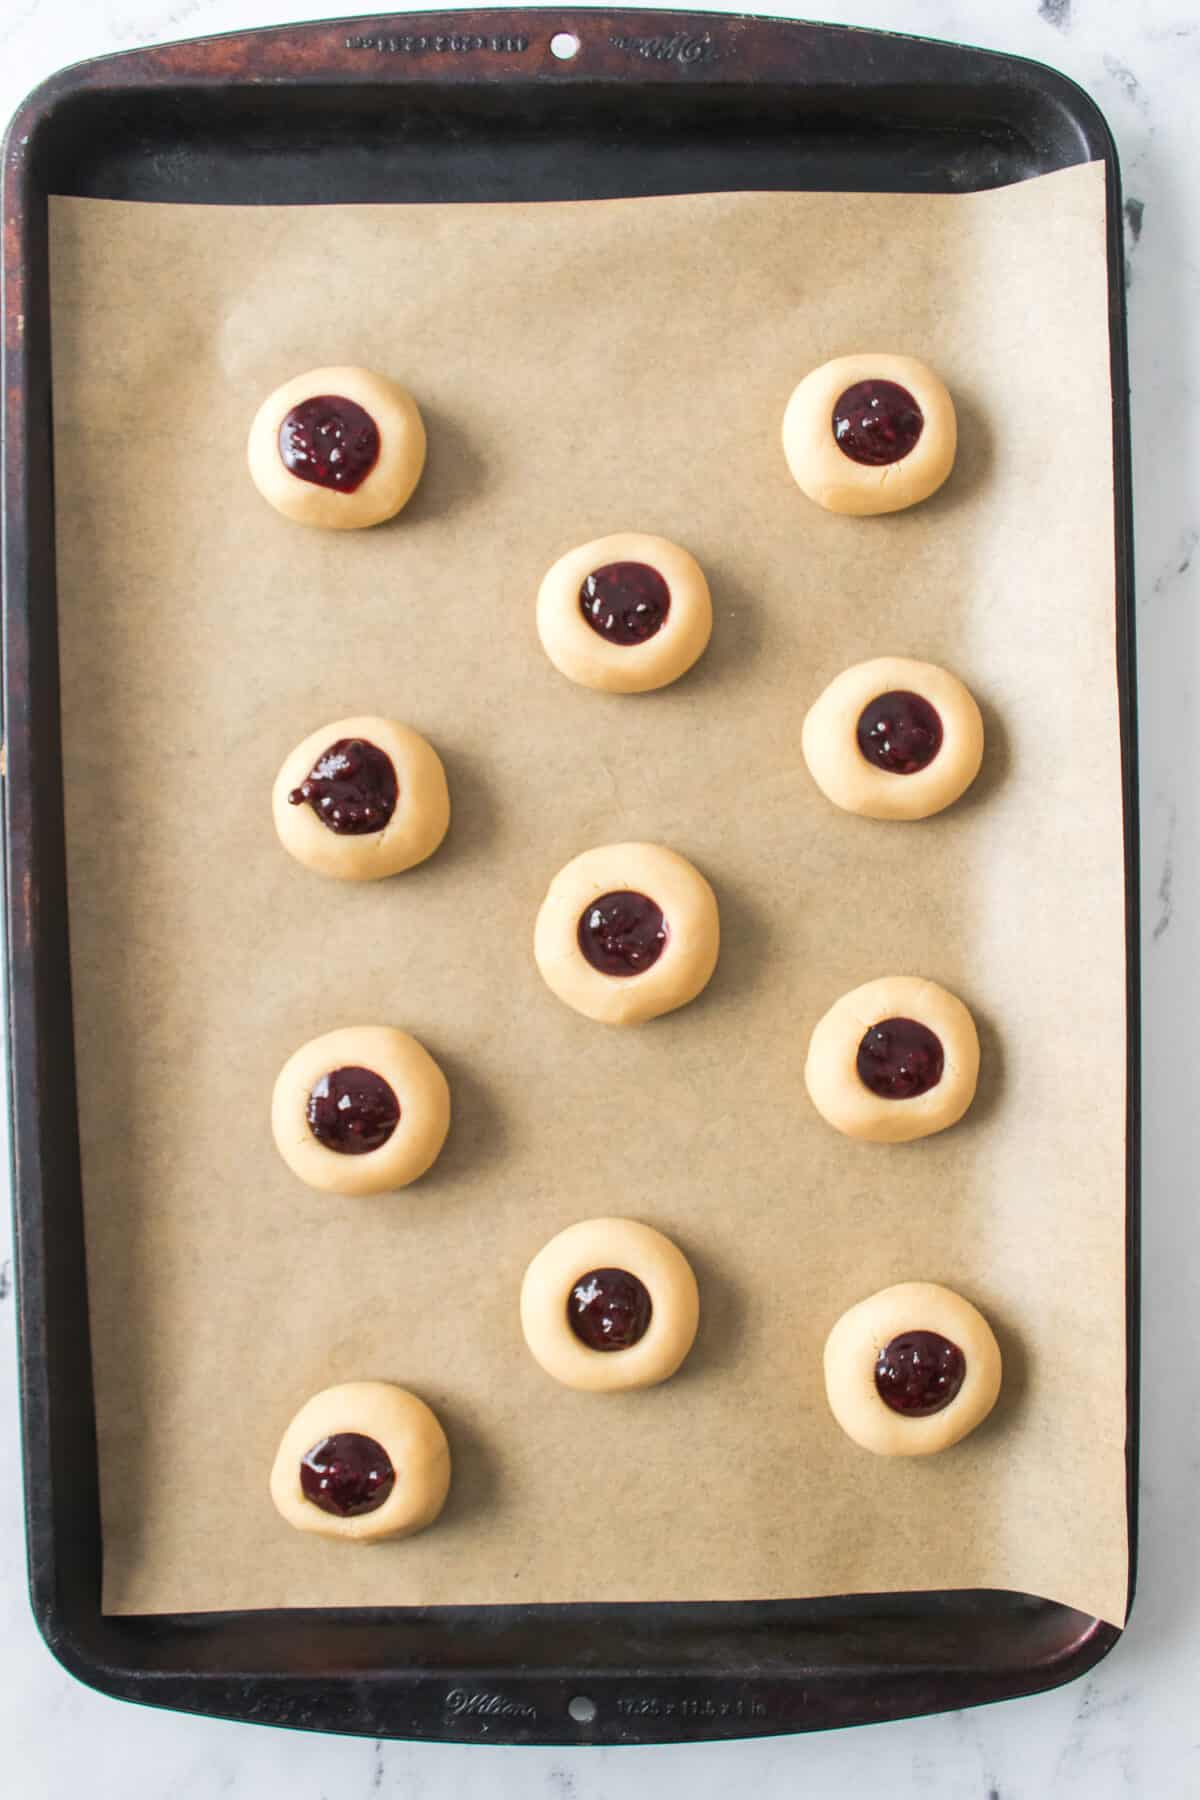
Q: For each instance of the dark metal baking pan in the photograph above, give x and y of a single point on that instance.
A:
(474, 106)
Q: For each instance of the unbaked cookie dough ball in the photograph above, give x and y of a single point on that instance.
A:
(363, 1461)
(870, 434)
(894, 1060)
(363, 1110)
(626, 932)
(894, 739)
(911, 1370)
(609, 1304)
(337, 447)
(360, 799)
(625, 613)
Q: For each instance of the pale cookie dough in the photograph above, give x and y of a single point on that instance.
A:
(404, 1428)
(609, 1245)
(414, 830)
(419, 1087)
(844, 774)
(584, 655)
(855, 1345)
(690, 928)
(842, 1097)
(833, 479)
(382, 491)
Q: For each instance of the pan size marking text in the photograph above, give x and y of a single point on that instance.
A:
(442, 43)
(641, 1706)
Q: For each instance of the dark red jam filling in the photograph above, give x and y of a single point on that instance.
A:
(352, 1111)
(351, 787)
(347, 1474)
(876, 422)
(329, 441)
(899, 1059)
(622, 933)
(609, 1309)
(625, 602)
(919, 1373)
(899, 732)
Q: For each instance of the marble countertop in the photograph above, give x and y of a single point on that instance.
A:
(1130, 1728)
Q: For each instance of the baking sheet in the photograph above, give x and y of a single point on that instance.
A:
(587, 368)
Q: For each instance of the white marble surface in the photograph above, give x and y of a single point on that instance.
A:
(1131, 1729)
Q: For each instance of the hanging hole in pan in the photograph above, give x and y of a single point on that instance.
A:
(582, 1710)
(564, 45)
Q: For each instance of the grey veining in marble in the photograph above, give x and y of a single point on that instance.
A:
(1131, 1729)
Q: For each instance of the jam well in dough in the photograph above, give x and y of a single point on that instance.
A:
(351, 787)
(625, 602)
(876, 423)
(608, 1309)
(622, 933)
(898, 1059)
(919, 1372)
(899, 732)
(352, 1111)
(347, 1474)
(330, 441)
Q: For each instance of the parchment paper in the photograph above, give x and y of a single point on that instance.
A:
(583, 369)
